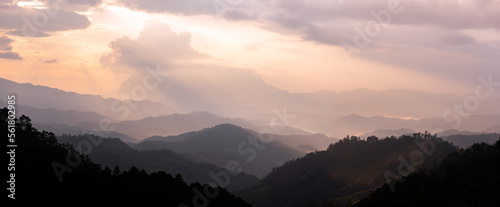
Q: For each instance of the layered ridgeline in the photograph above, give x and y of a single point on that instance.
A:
(54, 174)
(464, 141)
(346, 170)
(111, 152)
(225, 144)
(469, 177)
(332, 113)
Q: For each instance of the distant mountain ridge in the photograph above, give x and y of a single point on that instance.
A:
(113, 152)
(464, 141)
(51, 115)
(174, 124)
(46, 98)
(224, 143)
(355, 124)
(194, 89)
(331, 113)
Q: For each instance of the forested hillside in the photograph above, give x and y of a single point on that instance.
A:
(469, 177)
(111, 152)
(349, 166)
(40, 158)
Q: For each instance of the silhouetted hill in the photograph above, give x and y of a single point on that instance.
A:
(226, 142)
(466, 178)
(49, 173)
(464, 141)
(113, 152)
(351, 165)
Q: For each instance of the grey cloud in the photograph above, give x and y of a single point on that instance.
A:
(50, 61)
(24, 34)
(457, 14)
(326, 35)
(75, 2)
(5, 43)
(237, 15)
(290, 21)
(5, 46)
(457, 61)
(457, 39)
(73, 5)
(420, 24)
(36, 22)
(10, 55)
(184, 7)
(453, 14)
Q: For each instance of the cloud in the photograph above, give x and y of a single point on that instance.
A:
(74, 5)
(459, 14)
(5, 46)
(189, 85)
(50, 61)
(426, 37)
(232, 10)
(184, 7)
(457, 39)
(31, 22)
(238, 15)
(10, 55)
(334, 22)
(22, 33)
(5, 43)
(156, 44)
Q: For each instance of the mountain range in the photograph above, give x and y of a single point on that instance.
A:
(51, 98)
(111, 152)
(257, 154)
(334, 114)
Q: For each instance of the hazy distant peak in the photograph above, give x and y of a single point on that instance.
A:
(203, 113)
(226, 129)
(353, 117)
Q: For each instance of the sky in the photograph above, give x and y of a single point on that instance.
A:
(95, 46)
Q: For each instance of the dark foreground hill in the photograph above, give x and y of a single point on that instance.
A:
(111, 152)
(469, 177)
(48, 173)
(348, 168)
